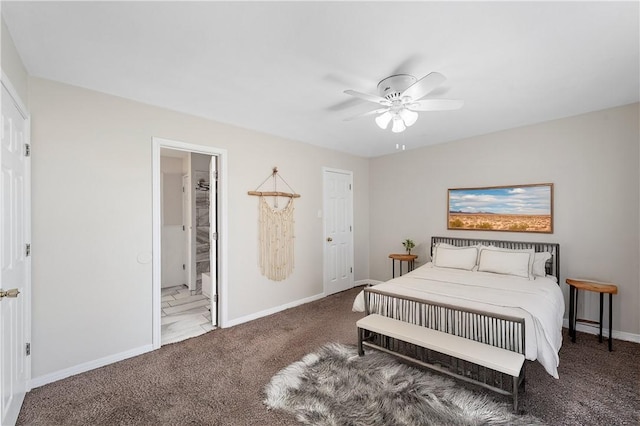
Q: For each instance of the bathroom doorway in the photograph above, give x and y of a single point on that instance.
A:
(188, 304)
(186, 236)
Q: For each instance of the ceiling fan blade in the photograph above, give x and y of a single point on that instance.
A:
(365, 114)
(367, 97)
(422, 87)
(345, 104)
(435, 105)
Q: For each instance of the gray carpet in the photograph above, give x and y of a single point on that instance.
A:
(218, 378)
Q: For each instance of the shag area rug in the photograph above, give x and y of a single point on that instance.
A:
(334, 386)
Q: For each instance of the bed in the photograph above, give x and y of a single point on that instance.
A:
(501, 293)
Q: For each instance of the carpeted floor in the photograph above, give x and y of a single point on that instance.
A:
(218, 378)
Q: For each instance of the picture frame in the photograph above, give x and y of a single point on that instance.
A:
(514, 208)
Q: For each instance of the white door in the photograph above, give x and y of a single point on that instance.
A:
(15, 271)
(338, 230)
(213, 238)
(186, 230)
(173, 247)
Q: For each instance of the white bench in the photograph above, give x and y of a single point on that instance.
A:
(494, 358)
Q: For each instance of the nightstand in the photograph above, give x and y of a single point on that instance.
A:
(409, 258)
(602, 288)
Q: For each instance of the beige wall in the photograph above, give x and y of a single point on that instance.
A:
(12, 65)
(92, 219)
(171, 188)
(593, 162)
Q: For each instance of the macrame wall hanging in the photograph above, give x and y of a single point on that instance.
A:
(276, 230)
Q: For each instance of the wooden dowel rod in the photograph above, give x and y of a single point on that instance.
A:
(274, 194)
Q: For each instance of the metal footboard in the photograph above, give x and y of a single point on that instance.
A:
(502, 331)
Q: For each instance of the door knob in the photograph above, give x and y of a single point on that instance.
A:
(14, 292)
(329, 239)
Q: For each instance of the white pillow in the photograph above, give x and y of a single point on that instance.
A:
(482, 247)
(506, 261)
(455, 257)
(539, 262)
(447, 245)
(531, 251)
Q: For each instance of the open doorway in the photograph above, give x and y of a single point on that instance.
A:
(188, 280)
(188, 220)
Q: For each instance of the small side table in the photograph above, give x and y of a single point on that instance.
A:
(602, 288)
(409, 258)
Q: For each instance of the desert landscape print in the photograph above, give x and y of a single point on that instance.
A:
(524, 208)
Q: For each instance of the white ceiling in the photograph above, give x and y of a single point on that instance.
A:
(282, 67)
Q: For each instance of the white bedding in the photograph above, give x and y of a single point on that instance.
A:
(540, 302)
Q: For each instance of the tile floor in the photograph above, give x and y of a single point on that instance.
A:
(184, 315)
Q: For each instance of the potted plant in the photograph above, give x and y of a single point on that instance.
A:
(408, 245)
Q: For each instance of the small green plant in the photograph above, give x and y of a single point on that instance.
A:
(408, 245)
(484, 225)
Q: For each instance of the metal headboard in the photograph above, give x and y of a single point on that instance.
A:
(552, 266)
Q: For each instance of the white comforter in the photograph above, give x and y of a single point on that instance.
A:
(540, 302)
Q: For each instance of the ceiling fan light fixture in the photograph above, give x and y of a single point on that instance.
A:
(409, 117)
(402, 97)
(383, 120)
(398, 125)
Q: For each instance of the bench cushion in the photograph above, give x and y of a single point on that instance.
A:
(498, 359)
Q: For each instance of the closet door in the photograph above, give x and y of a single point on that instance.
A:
(338, 230)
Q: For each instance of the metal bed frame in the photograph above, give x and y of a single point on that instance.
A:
(552, 266)
(502, 331)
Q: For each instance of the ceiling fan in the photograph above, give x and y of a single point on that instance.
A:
(401, 96)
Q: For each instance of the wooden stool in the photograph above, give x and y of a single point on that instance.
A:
(602, 288)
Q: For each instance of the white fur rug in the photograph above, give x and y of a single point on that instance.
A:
(334, 386)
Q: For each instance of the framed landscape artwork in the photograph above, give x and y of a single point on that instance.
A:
(522, 208)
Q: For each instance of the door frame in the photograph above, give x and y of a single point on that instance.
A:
(213, 241)
(326, 170)
(222, 261)
(26, 295)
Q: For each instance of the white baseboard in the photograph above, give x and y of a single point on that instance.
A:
(87, 366)
(366, 282)
(271, 311)
(593, 329)
(277, 309)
